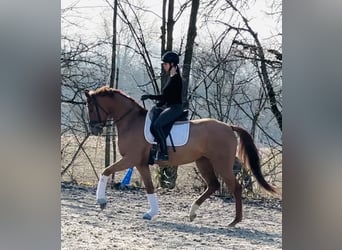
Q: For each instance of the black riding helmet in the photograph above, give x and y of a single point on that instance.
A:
(170, 57)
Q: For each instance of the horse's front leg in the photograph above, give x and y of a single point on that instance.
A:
(101, 186)
(151, 195)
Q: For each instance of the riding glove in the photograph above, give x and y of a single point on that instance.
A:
(144, 97)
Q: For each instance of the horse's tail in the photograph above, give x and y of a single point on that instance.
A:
(249, 153)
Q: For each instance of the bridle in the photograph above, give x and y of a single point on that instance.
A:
(99, 123)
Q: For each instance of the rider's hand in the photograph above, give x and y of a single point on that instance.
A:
(144, 97)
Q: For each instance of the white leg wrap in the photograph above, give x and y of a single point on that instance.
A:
(101, 188)
(153, 201)
(154, 208)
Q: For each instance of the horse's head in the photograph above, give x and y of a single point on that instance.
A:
(97, 114)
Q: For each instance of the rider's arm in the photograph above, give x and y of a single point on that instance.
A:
(156, 97)
(152, 97)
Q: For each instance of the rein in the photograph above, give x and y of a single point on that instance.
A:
(123, 116)
(97, 106)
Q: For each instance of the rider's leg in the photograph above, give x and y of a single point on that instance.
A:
(168, 116)
(162, 154)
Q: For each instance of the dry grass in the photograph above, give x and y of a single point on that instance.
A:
(82, 170)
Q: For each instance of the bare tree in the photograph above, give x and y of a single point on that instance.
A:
(138, 35)
(83, 66)
(189, 47)
(235, 80)
(168, 176)
(110, 135)
(261, 61)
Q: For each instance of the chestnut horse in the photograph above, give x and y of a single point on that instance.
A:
(212, 145)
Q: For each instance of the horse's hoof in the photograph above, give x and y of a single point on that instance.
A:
(103, 206)
(102, 203)
(147, 216)
(234, 223)
(192, 217)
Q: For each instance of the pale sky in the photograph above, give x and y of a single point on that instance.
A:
(93, 12)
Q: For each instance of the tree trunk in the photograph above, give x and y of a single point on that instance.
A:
(109, 130)
(168, 174)
(112, 184)
(163, 29)
(189, 47)
(170, 24)
(265, 80)
(163, 44)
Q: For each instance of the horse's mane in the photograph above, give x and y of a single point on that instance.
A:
(106, 91)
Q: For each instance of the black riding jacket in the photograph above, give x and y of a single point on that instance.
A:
(171, 93)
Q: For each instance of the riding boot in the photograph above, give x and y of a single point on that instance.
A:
(162, 153)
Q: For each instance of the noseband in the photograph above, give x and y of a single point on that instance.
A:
(98, 123)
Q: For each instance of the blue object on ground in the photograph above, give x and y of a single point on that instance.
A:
(127, 178)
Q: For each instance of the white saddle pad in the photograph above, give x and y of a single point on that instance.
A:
(179, 132)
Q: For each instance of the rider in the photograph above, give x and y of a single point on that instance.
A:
(170, 101)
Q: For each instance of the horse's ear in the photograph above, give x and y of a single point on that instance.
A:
(87, 93)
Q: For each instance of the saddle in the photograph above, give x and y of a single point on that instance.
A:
(177, 132)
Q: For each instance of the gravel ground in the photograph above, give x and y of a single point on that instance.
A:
(120, 225)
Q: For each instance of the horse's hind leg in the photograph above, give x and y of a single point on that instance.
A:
(237, 192)
(207, 172)
(233, 185)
